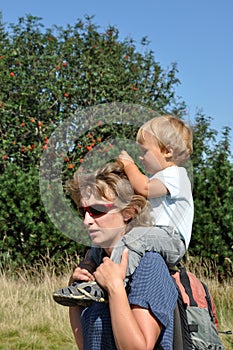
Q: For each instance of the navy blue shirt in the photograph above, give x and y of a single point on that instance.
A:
(152, 288)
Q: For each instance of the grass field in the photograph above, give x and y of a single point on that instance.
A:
(31, 320)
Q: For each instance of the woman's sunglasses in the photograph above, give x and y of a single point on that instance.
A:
(95, 210)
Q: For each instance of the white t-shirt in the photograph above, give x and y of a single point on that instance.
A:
(175, 209)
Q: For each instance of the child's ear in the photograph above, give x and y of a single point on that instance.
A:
(168, 152)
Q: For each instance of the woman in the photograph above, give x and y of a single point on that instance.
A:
(143, 317)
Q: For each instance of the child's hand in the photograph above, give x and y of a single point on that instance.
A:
(80, 274)
(125, 158)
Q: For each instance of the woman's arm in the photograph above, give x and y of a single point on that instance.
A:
(79, 274)
(74, 314)
(133, 328)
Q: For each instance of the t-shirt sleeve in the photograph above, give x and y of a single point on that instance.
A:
(172, 178)
(152, 288)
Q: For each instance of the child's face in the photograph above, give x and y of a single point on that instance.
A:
(151, 156)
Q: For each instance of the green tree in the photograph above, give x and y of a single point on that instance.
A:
(213, 192)
(48, 75)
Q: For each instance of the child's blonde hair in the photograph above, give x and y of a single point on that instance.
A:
(169, 132)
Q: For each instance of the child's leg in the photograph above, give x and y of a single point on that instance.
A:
(135, 241)
(166, 241)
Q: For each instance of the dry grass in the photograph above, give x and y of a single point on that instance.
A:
(222, 294)
(31, 320)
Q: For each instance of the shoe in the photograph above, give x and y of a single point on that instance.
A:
(82, 294)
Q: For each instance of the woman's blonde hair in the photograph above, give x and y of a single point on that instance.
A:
(111, 183)
(169, 132)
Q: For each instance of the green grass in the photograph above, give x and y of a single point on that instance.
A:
(31, 320)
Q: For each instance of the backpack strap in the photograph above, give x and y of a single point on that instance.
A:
(181, 333)
(177, 330)
(208, 299)
(184, 278)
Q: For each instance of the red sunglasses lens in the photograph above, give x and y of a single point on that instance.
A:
(96, 210)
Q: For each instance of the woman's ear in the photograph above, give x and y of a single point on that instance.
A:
(128, 214)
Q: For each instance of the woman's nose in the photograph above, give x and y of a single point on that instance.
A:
(88, 219)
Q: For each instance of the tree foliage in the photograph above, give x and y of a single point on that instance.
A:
(47, 75)
(213, 193)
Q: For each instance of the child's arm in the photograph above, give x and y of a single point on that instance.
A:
(140, 182)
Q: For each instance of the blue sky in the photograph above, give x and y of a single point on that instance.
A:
(197, 35)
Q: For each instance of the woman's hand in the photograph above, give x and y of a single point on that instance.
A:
(80, 274)
(133, 328)
(109, 274)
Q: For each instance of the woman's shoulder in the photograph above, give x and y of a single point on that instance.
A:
(152, 266)
(152, 257)
(152, 283)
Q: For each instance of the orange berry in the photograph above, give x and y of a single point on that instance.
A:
(12, 74)
(40, 124)
(70, 166)
(32, 120)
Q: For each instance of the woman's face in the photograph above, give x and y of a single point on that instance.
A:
(104, 222)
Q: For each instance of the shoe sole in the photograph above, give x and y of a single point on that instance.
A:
(76, 300)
